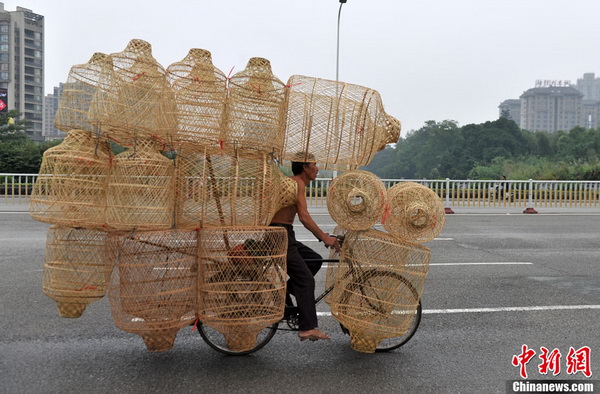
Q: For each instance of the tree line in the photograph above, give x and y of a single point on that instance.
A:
(490, 150)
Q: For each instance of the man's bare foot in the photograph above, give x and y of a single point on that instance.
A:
(313, 335)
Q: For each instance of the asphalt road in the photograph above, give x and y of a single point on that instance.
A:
(496, 282)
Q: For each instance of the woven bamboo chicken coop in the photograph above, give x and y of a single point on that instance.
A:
(215, 190)
(242, 281)
(415, 212)
(84, 82)
(255, 109)
(200, 92)
(141, 101)
(356, 200)
(72, 183)
(153, 290)
(141, 189)
(76, 272)
(378, 285)
(343, 125)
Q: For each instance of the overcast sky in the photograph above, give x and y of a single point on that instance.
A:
(429, 59)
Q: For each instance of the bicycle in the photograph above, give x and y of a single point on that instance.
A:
(360, 284)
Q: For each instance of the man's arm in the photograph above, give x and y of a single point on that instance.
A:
(308, 221)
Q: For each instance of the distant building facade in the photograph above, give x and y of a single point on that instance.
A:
(50, 107)
(556, 105)
(22, 65)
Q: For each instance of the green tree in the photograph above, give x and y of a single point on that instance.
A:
(11, 127)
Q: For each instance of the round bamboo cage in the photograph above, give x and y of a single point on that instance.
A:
(415, 213)
(378, 284)
(255, 109)
(141, 189)
(153, 290)
(200, 91)
(242, 281)
(343, 125)
(71, 187)
(356, 200)
(75, 270)
(83, 83)
(141, 102)
(215, 190)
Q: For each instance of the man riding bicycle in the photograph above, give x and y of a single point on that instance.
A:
(301, 282)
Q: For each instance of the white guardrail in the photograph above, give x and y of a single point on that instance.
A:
(16, 189)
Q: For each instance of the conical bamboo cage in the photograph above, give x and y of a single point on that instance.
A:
(141, 189)
(217, 190)
(341, 124)
(356, 200)
(378, 285)
(85, 81)
(141, 102)
(75, 270)
(255, 109)
(242, 281)
(153, 290)
(200, 92)
(72, 183)
(287, 194)
(415, 212)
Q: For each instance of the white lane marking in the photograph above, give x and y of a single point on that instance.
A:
(316, 240)
(504, 309)
(488, 263)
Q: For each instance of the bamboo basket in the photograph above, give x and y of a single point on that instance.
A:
(343, 125)
(287, 192)
(255, 109)
(378, 284)
(75, 270)
(356, 200)
(141, 189)
(153, 290)
(215, 190)
(415, 212)
(200, 92)
(84, 82)
(71, 187)
(242, 281)
(141, 104)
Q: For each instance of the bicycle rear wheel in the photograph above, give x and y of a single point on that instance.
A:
(394, 343)
(217, 341)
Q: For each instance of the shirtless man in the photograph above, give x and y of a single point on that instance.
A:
(302, 282)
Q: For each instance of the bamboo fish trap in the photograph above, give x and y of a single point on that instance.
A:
(415, 212)
(72, 183)
(153, 289)
(200, 92)
(75, 270)
(378, 285)
(242, 281)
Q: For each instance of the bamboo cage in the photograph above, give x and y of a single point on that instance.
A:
(141, 189)
(332, 269)
(71, 186)
(356, 200)
(255, 109)
(378, 284)
(415, 212)
(141, 103)
(200, 92)
(341, 124)
(75, 271)
(287, 194)
(215, 190)
(153, 290)
(83, 83)
(242, 281)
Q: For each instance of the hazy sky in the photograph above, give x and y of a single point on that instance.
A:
(429, 59)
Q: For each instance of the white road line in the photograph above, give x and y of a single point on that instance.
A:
(504, 309)
(488, 263)
(316, 240)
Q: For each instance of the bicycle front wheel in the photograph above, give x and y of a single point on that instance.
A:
(217, 341)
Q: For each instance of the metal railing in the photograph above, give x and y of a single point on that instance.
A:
(16, 189)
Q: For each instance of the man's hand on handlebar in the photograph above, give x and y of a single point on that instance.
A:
(331, 241)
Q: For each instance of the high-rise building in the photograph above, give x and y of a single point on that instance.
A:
(50, 107)
(22, 65)
(512, 108)
(589, 86)
(551, 108)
